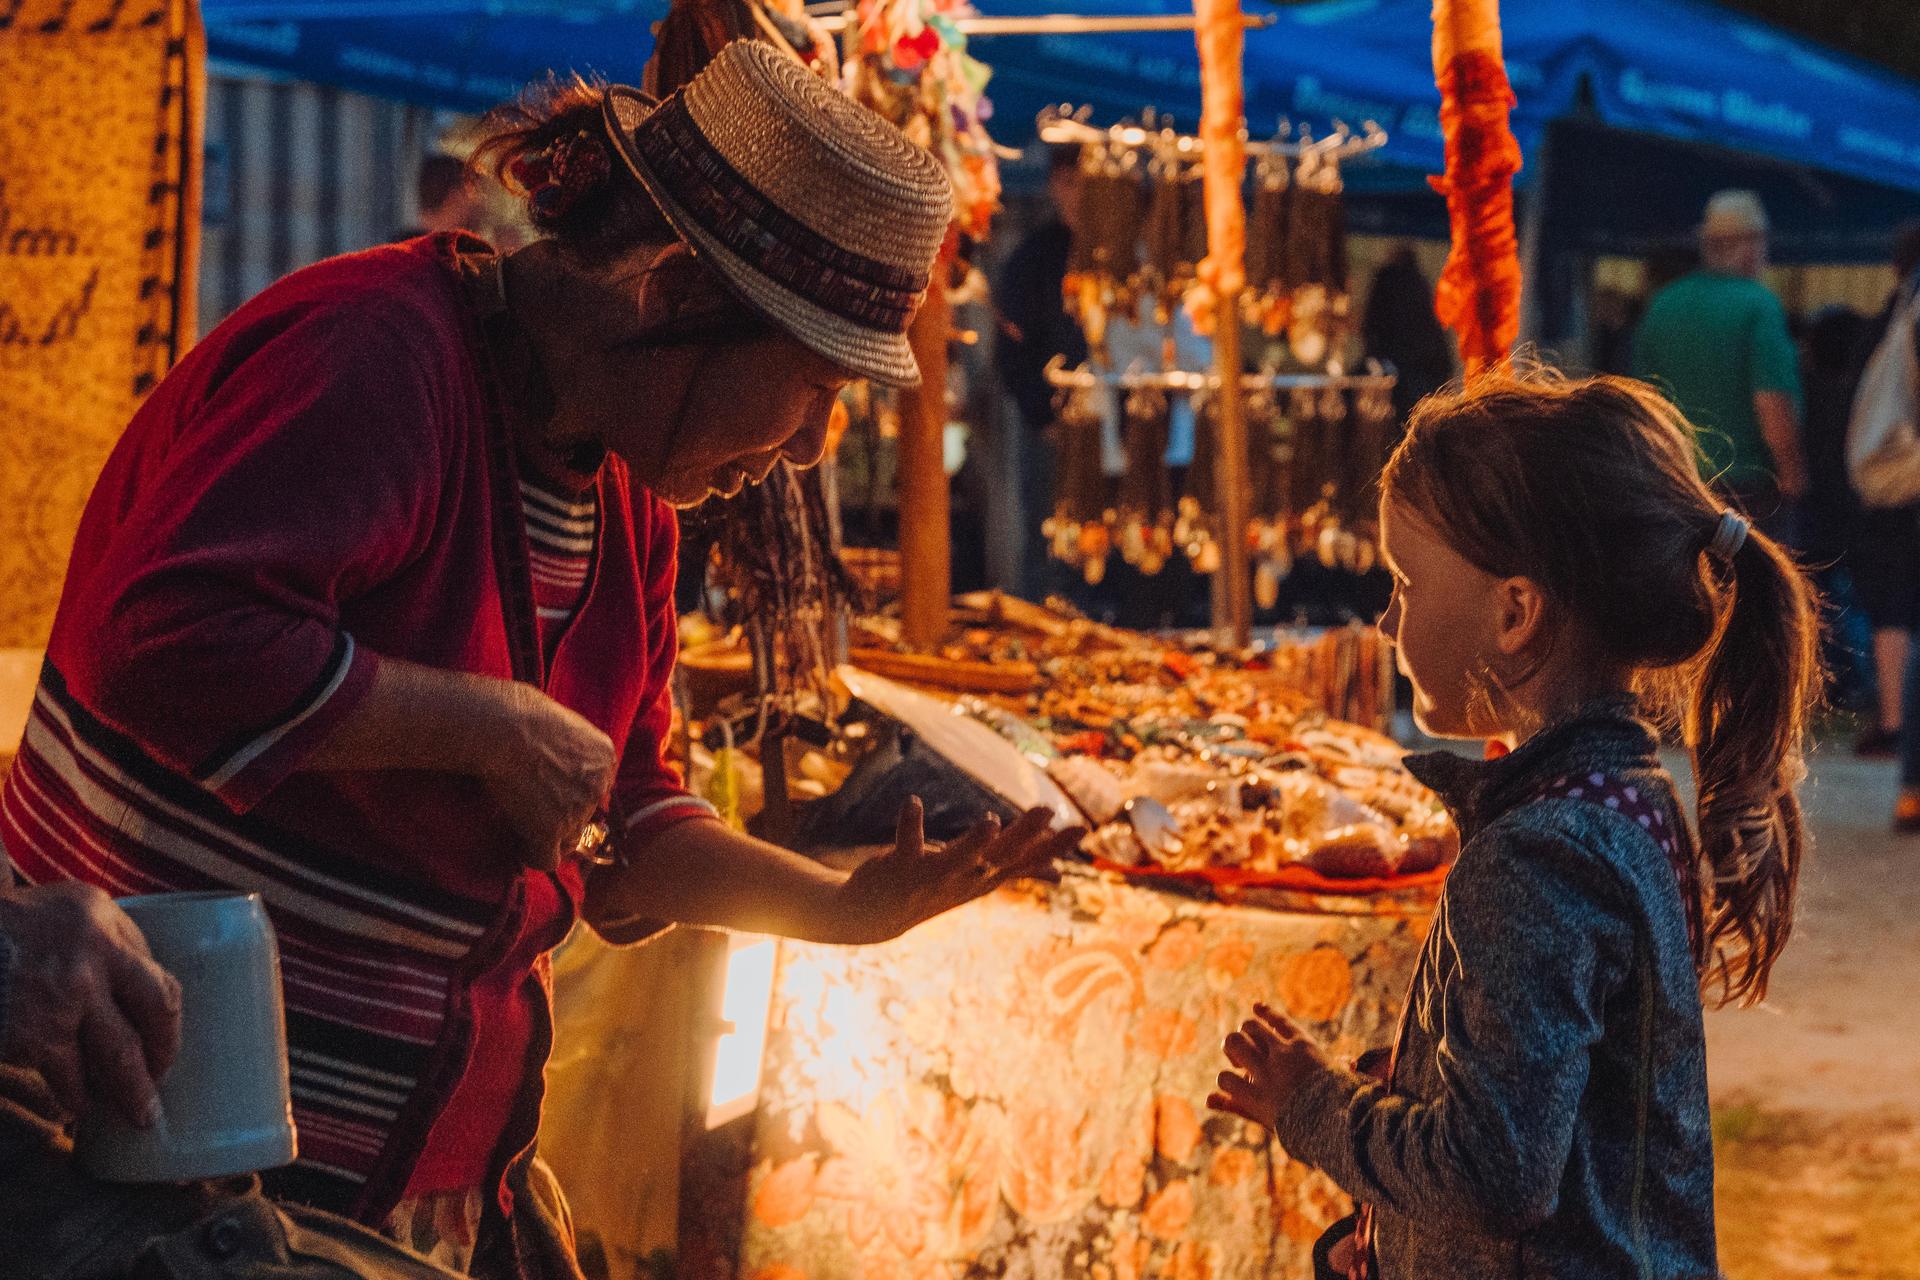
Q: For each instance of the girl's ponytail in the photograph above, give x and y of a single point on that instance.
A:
(1754, 690)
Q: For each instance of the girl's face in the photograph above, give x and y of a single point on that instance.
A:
(1444, 622)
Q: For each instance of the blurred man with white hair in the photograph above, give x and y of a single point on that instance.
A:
(1716, 341)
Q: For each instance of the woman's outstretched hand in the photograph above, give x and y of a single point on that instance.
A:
(1271, 1057)
(914, 882)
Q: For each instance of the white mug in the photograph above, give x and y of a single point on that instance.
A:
(224, 1106)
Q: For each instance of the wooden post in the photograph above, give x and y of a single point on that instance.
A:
(1220, 33)
(1235, 618)
(925, 538)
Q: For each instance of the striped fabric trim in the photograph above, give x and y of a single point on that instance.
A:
(584, 507)
(369, 962)
(570, 569)
(553, 518)
(558, 542)
(135, 820)
(220, 772)
(692, 806)
(561, 535)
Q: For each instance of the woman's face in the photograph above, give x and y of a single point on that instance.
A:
(740, 408)
(694, 417)
(1442, 622)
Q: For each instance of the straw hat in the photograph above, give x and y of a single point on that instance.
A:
(1732, 215)
(818, 212)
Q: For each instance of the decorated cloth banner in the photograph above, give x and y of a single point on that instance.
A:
(1478, 293)
(1018, 1088)
(100, 125)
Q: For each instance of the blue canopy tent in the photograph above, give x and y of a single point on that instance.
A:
(460, 55)
(1635, 109)
(1832, 144)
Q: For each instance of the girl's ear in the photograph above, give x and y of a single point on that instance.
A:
(1521, 615)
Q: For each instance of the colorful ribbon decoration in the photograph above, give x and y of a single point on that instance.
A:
(1478, 294)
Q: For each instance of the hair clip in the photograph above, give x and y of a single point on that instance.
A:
(561, 174)
(1728, 536)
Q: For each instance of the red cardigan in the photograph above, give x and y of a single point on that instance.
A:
(328, 477)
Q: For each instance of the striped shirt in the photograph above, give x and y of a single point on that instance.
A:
(561, 535)
(325, 482)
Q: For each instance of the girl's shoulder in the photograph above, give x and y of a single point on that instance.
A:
(1615, 837)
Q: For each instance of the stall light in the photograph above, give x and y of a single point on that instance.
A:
(743, 1038)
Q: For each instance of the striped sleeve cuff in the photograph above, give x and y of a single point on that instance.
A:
(242, 776)
(649, 818)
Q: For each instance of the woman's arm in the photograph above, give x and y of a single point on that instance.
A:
(548, 768)
(701, 871)
(206, 622)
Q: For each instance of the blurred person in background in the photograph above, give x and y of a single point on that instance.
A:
(1831, 514)
(1399, 326)
(1613, 316)
(447, 198)
(1033, 328)
(1716, 342)
(1884, 545)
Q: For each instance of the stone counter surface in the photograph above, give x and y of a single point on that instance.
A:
(1018, 1089)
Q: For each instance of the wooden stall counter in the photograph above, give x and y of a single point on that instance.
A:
(1018, 1089)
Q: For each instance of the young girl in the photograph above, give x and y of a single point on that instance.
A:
(1564, 582)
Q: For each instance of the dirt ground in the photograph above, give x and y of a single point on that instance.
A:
(1817, 1092)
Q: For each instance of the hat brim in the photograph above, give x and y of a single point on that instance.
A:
(886, 358)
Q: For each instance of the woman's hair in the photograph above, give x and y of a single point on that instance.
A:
(598, 220)
(1590, 489)
(556, 131)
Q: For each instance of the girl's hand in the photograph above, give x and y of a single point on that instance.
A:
(890, 894)
(1272, 1057)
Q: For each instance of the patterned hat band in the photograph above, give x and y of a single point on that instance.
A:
(864, 291)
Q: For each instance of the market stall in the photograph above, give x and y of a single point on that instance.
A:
(1248, 846)
(1023, 1081)
(1021, 1084)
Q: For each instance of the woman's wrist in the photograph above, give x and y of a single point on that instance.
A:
(703, 872)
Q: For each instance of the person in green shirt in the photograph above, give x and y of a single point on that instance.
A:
(1716, 342)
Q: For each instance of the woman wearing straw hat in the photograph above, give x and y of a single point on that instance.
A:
(371, 612)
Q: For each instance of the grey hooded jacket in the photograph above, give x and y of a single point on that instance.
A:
(1549, 1114)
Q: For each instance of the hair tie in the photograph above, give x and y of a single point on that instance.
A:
(560, 174)
(1728, 536)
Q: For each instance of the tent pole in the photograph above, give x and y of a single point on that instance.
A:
(1533, 226)
(1221, 38)
(925, 538)
(1233, 616)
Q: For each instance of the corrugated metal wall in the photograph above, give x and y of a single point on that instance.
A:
(295, 173)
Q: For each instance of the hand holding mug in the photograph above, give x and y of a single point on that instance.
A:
(87, 1007)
